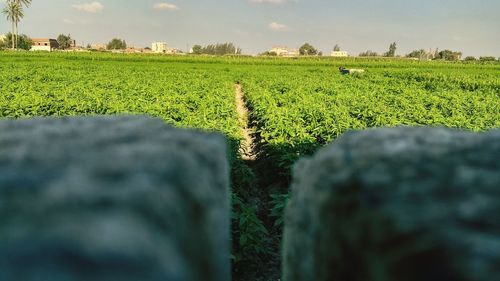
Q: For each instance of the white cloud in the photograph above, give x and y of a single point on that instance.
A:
(94, 7)
(68, 21)
(278, 26)
(165, 7)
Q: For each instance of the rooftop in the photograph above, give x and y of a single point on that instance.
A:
(42, 39)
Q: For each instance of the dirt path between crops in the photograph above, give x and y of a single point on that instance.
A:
(259, 172)
(247, 144)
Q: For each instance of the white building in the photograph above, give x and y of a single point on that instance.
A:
(173, 51)
(95, 46)
(339, 54)
(159, 47)
(2, 37)
(44, 44)
(293, 53)
(279, 50)
(283, 51)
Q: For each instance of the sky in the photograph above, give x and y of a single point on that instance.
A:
(470, 26)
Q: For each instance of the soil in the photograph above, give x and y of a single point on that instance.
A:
(247, 145)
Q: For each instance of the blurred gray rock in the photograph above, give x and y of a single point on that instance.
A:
(112, 198)
(397, 204)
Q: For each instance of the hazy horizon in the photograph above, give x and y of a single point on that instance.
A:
(256, 25)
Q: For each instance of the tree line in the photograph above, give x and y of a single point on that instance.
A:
(218, 49)
(447, 55)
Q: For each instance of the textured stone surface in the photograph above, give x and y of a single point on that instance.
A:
(112, 198)
(397, 204)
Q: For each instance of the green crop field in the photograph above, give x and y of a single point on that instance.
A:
(295, 106)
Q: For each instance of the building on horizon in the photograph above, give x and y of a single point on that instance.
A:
(279, 50)
(44, 44)
(283, 51)
(159, 47)
(174, 51)
(162, 48)
(99, 47)
(339, 54)
(136, 50)
(293, 53)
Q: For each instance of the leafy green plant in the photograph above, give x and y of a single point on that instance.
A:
(279, 202)
(249, 231)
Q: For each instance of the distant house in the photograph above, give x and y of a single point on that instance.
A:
(159, 47)
(44, 44)
(339, 54)
(136, 50)
(174, 51)
(98, 47)
(293, 53)
(283, 51)
(279, 50)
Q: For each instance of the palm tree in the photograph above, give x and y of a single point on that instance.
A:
(26, 3)
(23, 2)
(14, 13)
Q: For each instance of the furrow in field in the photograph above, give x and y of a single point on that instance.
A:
(247, 144)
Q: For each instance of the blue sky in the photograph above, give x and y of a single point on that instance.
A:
(472, 26)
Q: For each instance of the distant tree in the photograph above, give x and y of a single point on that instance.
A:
(22, 3)
(336, 48)
(470, 58)
(392, 50)
(308, 50)
(89, 46)
(435, 54)
(218, 49)
(368, 54)
(417, 54)
(117, 44)
(14, 13)
(448, 55)
(23, 42)
(4, 44)
(147, 48)
(209, 50)
(226, 49)
(269, 54)
(197, 49)
(487, 59)
(320, 54)
(64, 41)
